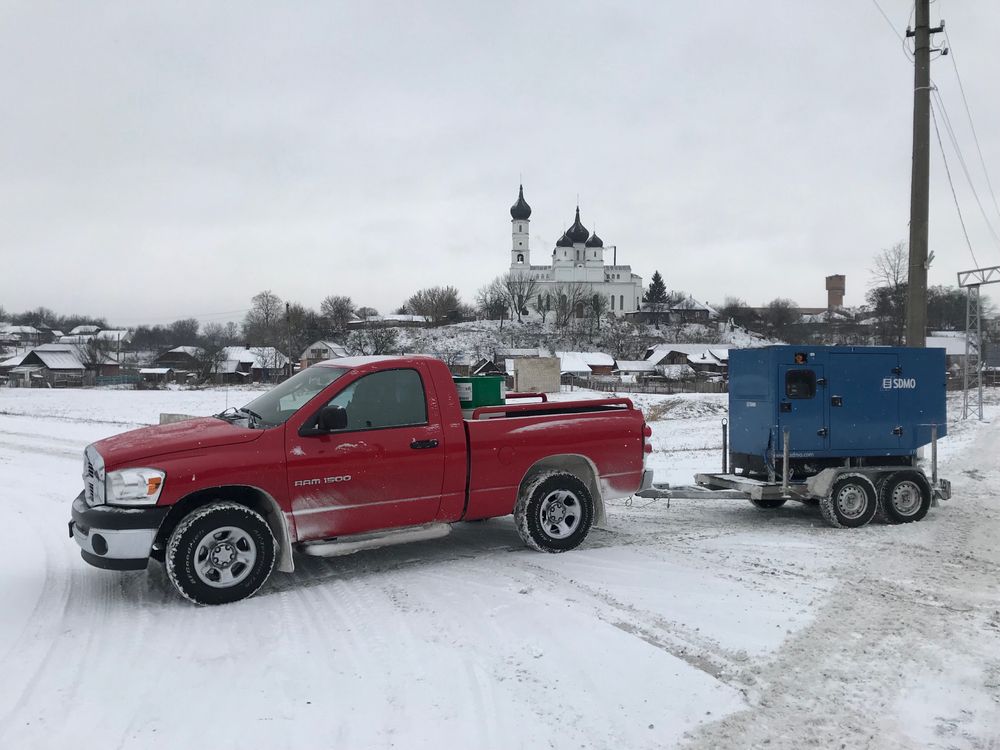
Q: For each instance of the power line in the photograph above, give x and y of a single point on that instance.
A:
(889, 21)
(947, 171)
(972, 125)
(961, 160)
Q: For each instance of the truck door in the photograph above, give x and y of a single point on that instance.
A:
(385, 469)
(802, 409)
(864, 406)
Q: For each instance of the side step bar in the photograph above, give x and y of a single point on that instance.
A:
(348, 545)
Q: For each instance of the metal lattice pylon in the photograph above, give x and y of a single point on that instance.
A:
(972, 402)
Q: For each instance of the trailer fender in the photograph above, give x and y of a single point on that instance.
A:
(821, 484)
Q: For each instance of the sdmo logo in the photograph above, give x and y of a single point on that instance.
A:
(892, 384)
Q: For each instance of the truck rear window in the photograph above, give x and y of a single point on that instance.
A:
(800, 384)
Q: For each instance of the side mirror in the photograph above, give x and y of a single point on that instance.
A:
(332, 418)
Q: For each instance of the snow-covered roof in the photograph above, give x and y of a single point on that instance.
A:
(709, 356)
(82, 330)
(583, 361)
(657, 353)
(259, 357)
(690, 303)
(191, 351)
(513, 352)
(113, 335)
(13, 361)
(13, 330)
(635, 365)
(59, 360)
(76, 338)
(155, 370)
(333, 350)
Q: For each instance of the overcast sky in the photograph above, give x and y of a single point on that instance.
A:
(165, 160)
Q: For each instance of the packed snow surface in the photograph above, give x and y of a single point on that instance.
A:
(704, 624)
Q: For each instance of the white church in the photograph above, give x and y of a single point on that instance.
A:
(578, 258)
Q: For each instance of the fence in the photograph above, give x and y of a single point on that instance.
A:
(667, 387)
(130, 379)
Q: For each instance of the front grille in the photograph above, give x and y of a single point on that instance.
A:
(88, 480)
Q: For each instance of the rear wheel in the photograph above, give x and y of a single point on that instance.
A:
(906, 497)
(220, 553)
(554, 513)
(852, 503)
(769, 503)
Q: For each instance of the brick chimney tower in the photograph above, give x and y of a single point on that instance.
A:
(835, 287)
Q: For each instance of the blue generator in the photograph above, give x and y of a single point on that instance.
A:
(836, 405)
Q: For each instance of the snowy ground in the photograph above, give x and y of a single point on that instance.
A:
(707, 624)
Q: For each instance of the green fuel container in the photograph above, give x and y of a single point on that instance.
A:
(481, 390)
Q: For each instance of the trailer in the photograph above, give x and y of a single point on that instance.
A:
(841, 427)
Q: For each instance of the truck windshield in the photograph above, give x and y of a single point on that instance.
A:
(282, 401)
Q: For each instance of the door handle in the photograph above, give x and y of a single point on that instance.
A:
(420, 444)
(822, 432)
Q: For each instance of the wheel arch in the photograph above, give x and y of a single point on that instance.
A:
(252, 497)
(577, 465)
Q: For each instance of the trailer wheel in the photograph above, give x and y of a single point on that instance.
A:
(852, 502)
(554, 513)
(220, 553)
(769, 503)
(905, 497)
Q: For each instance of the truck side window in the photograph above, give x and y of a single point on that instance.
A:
(800, 384)
(391, 398)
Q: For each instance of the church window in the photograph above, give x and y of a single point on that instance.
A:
(520, 257)
(520, 244)
(621, 302)
(612, 302)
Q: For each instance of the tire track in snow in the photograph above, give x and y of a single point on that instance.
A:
(905, 611)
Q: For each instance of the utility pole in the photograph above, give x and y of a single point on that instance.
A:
(916, 301)
(288, 331)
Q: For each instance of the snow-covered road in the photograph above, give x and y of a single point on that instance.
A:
(708, 624)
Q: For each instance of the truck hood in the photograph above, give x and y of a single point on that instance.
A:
(191, 434)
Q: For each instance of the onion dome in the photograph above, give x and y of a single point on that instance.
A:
(578, 232)
(564, 241)
(595, 241)
(520, 210)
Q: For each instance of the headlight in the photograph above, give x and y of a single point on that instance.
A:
(134, 486)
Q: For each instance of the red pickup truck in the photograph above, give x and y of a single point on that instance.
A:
(345, 455)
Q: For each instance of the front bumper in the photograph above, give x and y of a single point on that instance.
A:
(115, 538)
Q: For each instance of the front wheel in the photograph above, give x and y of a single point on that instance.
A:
(554, 513)
(220, 553)
(852, 503)
(770, 503)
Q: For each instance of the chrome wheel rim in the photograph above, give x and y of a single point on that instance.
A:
(560, 514)
(224, 557)
(852, 500)
(906, 498)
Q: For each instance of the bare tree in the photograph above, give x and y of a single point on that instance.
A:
(891, 267)
(542, 305)
(262, 324)
(337, 310)
(597, 306)
(367, 313)
(569, 299)
(373, 340)
(520, 289)
(435, 303)
(96, 352)
(492, 300)
(780, 313)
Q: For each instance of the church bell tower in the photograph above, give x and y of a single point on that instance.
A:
(520, 223)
